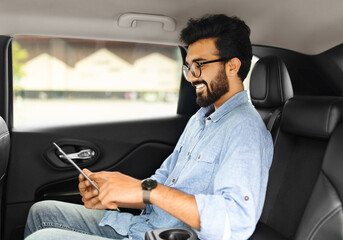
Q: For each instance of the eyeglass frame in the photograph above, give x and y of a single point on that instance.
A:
(189, 69)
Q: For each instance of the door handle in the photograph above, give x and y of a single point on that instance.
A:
(82, 155)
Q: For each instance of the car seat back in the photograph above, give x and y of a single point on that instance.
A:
(306, 129)
(4, 148)
(4, 157)
(323, 217)
(270, 87)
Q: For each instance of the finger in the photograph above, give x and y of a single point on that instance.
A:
(81, 177)
(93, 203)
(87, 183)
(112, 205)
(97, 176)
(101, 175)
(87, 172)
(84, 200)
(84, 184)
(91, 194)
(81, 186)
(90, 203)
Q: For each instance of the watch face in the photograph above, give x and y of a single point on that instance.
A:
(149, 184)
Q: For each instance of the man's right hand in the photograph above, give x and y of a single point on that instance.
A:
(90, 196)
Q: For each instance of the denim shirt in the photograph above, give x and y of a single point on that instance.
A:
(223, 159)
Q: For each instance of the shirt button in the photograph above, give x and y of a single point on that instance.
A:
(199, 156)
(246, 198)
(173, 180)
(188, 153)
(147, 220)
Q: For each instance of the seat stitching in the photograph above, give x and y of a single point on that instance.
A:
(280, 80)
(267, 84)
(326, 176)
(327, 119)
(329, 113)
(322, 221)
(4, 135)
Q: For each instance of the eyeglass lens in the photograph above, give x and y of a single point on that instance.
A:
(194, 68)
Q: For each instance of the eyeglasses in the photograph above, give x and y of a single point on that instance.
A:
(195, 67)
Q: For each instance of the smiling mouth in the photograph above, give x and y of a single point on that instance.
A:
(199, 86)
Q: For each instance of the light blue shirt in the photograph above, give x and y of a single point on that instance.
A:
(223, 160)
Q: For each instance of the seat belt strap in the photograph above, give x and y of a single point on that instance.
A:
(272, 119)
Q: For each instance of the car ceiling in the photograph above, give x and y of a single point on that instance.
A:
(306, 26)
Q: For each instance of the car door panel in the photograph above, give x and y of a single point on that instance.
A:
(136, 148)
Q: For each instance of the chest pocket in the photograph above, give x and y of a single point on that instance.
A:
(197, 175)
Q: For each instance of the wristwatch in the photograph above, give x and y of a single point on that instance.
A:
(147, 185)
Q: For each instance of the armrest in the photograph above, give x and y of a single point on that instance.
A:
(177, 233)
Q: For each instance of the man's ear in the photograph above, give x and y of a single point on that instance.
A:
(232, 67)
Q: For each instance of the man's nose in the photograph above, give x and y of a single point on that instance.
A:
(190, 78)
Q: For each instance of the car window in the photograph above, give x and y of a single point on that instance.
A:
(246, 82)
(75, 81)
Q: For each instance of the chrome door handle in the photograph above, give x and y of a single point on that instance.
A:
(82, 155)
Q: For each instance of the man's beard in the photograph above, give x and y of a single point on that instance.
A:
(219, 87)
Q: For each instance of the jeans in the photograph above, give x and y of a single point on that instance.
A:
(55, 220)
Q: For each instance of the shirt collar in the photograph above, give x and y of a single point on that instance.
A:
(228, 106)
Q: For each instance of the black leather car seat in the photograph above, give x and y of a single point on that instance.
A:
(4, 148)
(270, 87)
(4, 155)
(305, 188)
(323, 217)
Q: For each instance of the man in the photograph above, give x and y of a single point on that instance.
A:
(214, 181)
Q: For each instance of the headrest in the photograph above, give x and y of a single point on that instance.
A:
(312, 116)
(270, 84)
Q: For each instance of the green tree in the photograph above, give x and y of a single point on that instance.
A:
(18, 55)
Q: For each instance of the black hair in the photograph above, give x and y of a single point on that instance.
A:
(232, 36)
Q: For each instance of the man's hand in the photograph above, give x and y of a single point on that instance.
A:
(118, 190)
(90, 196)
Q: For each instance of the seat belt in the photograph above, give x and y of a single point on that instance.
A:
(275, 186)
(272, 119)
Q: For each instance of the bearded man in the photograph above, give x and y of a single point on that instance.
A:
(214, 181)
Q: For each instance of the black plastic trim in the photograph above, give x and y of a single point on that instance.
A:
(5, 73)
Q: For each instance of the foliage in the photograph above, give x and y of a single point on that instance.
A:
(19, 55)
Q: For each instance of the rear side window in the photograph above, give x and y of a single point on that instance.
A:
(63, 81)
(246, 81)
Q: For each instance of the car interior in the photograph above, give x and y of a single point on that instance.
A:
(295, 84)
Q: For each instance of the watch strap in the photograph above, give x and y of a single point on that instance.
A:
(146, 196)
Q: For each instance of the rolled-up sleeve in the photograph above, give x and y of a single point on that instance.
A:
(234, 208)
(219, 214)
(162, 173)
